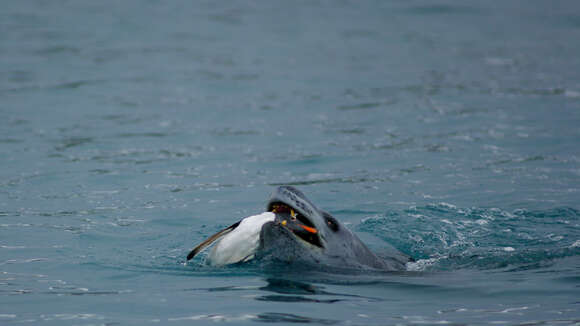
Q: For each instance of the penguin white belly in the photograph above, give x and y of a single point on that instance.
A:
(240, 244)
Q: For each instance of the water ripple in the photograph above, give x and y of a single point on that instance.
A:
(277, 317)
(448, 237)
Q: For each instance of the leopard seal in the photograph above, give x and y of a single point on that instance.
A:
(294, 231)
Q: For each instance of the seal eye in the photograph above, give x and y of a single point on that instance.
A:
(331, 222)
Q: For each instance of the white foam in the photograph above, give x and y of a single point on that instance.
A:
(215, 318)
(421, 264)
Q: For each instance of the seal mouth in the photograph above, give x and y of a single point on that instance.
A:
(295, 222)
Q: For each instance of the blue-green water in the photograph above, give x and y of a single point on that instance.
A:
(132, 130)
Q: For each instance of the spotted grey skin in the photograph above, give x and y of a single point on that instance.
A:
(336, 246)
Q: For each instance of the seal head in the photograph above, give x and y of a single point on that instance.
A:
(302, 233)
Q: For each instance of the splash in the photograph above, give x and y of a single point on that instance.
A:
(445, 237)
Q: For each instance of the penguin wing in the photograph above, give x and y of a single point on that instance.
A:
(207, 242)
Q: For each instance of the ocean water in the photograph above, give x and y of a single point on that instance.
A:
(132, 130)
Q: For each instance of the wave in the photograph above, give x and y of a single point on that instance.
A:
(445, 237)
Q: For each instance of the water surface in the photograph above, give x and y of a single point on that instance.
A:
(132, 130)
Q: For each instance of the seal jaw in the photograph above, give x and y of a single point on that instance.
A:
(277, 242)
(305, 220)
(300, 226)
(294, 199)
(282, 208)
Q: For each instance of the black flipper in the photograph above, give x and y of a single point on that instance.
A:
(211, 240)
